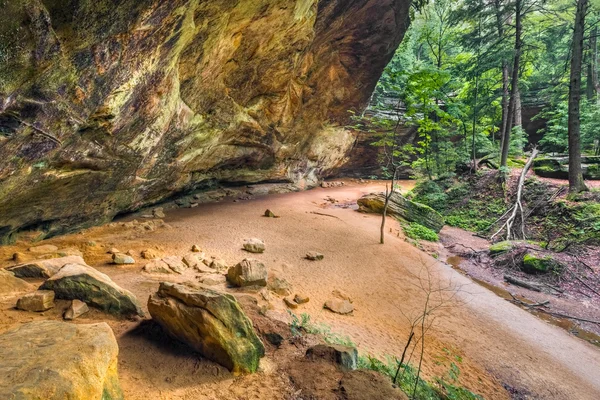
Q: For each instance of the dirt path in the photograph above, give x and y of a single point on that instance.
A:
(497, 342)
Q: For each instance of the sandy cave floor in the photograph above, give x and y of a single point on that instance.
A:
(499, 343)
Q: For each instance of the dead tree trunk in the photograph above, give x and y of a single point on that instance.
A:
(576, 183)
(517, 209)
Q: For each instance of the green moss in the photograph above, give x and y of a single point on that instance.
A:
(533, 264)
(419, 232)
(501, 247)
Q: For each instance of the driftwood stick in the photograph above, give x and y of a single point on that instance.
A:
(529, 305)
(325, 215)
(570, 317)
(522, 283)
(553, 288)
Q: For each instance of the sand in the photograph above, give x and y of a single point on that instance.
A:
(494, 343)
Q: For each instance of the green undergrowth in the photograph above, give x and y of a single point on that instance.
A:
(440, 388)
(419, 232)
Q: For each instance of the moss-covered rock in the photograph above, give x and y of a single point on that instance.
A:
(534, 264)
(211, 322)
(501, 247)
(401, 207)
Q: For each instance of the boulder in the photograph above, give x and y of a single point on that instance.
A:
(558, 167)
(339, 306)
(38, 301)
(157, 267)
(10, 284)
(175, 264)
(43, 249)
(44, 268)
(314, 256)
(248, 272)
(96, 289)
(536, 264)
(75, 310)
(401, 207)
(196, 261)
(120, 258)
(211, 322)
(254, 245)
(54, 360)
(501, 247)
(344, 356)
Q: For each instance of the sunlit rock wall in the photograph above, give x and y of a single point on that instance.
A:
(109, 105)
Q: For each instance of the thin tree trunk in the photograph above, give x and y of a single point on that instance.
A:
(388, 196)
(576, 183)
(592, 86)
(500, 28)
(514, 86)
(518, 110)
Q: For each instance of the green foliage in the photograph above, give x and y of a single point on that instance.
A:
(420, 232)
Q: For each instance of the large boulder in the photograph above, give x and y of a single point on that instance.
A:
(248, 272)
(53, 360)
(44, 268)
(211, 322)
(89, 285)
(108, 106)
(10, 284)
(401, 207)
(558, 167)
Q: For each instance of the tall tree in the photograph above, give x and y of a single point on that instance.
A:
(592, 86)
(576, 183)
(514, 86)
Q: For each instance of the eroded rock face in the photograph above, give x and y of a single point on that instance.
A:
(110, 106)
(211, 322)
(58, 360)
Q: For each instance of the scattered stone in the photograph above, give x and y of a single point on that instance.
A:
(44, 249)
(157, 267)
(344, 356)
(158, 213)
(314, 256)
(211, 322)
(19, 257)
(10, 284)
(249, 272)
(150, 254)
(270, 214)
(341, 295)
(193, 205)
(113, 250)
(331, 184)
(38, 301)
(130, 253)
(54, 360)
(254, 245)
(70, 251)
(91, 243)
(274, 338)
(213, 279)
(194, 261)
(196, 249)
(120, 258)
(75, 310)
(266, 295)
(339, 306)
(44, 268)
(94, 288)
(147, 216)
(279, 286)
(300, 299)
(218, 264)
(290, 303)
(175, 263)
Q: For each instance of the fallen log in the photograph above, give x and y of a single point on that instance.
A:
(401, 207)
(522, 283)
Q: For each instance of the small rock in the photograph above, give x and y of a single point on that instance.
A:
(339, 306)
(76, 309)
(196, 249)
(44, 249)
(345, 356)
(113, 250)
(120, 258)
(175, 263)
(266, 295)
(314, 256)
(193, 205)
(91, 243)
(274, 338)
(279, 286)
(270, 214)
(191, 260)
(19, 257)
(130, 253)
(157, 267)
(147, 216)
(158, 212)
(341, 295)
(254, 245)
(10, 284)
(290, 303)
(300, 299)
(249, 272)
(218, 264)
(40, 300)
(150, 254)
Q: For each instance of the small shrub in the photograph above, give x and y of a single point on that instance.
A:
(420, 232)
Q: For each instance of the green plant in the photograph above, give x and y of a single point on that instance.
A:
(420, 232)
